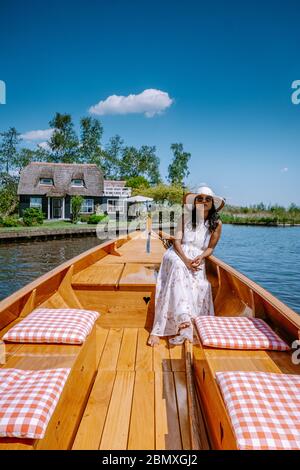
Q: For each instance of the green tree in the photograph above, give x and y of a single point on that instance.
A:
(137, 182)
(112, 157)
(8, 194)
(8, 149)
(142, 162)
(160, 193)
(178, 168)
(76, 203)
(91, 134)
(63, 143)
(25, 156)
(130, 164)
(150, 162)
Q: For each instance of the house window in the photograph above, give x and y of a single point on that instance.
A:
(87, 206)
(114, 205)
(47, 181)
(77, 182)
(36, 202)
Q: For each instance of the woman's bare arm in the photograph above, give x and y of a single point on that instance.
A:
(215, 237)
(177, 245)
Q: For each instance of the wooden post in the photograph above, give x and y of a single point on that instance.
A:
(149, 229)
(117, 223)
(172, 218)
(160, 221)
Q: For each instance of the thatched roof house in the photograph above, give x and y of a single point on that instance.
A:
(50, 186)
(63, 179)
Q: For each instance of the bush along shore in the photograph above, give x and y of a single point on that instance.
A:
(262, 215)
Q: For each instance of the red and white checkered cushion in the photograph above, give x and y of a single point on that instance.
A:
(47, 325)
(28, 399)
(238, 333)
(264, 409)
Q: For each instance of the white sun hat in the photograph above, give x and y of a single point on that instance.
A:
(205, 190)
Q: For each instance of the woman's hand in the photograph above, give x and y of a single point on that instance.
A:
(190, 264)
(197, 261)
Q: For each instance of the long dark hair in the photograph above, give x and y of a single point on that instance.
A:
(213, 217)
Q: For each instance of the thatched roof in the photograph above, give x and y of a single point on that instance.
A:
(62, 175)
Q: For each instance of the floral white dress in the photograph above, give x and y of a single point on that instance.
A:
(180, 293)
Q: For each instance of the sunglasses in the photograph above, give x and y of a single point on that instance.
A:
(204, 199)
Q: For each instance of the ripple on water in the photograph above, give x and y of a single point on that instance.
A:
(269, 256)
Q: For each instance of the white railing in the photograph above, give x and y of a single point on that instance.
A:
(115, 191)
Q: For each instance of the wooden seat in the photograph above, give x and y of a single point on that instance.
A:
(99, 275)
(81, 359)
(138, 276)
(208, 361)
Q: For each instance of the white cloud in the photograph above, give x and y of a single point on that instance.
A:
(149, 102)
(44, 146)
(284, 170)
(37, 135)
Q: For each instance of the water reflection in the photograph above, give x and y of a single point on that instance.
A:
(23, 262)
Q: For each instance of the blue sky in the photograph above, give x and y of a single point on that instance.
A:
(226, 68)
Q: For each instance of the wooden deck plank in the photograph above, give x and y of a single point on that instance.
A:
(167, 432)
(111, 351)
(43, 356)
(177, 358)
(127, 354)
(139, 274)
(144, 353)
(142, 424)
(161, 422)
(98, 275)
(182, 406)
(117, 309)
(161, 357)
(115, 433)
(91, 427)
(134, 251)
(101, 335)
(232, 360)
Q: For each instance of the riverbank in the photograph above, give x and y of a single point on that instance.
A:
(58, 230)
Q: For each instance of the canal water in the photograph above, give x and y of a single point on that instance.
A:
(269, 256)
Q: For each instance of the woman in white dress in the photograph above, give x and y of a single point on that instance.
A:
(182, 290)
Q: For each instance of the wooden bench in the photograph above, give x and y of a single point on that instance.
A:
(208, 361)
(81, 359)
(123, 292)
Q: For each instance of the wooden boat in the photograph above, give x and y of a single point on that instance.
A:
(121, 393)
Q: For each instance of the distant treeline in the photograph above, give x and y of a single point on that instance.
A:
(116, 160)
(261, 214)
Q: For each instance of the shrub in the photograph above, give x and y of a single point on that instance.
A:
(84, 218)
(95, 219)
(76, 203)
(10, 221)
(33, 216)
